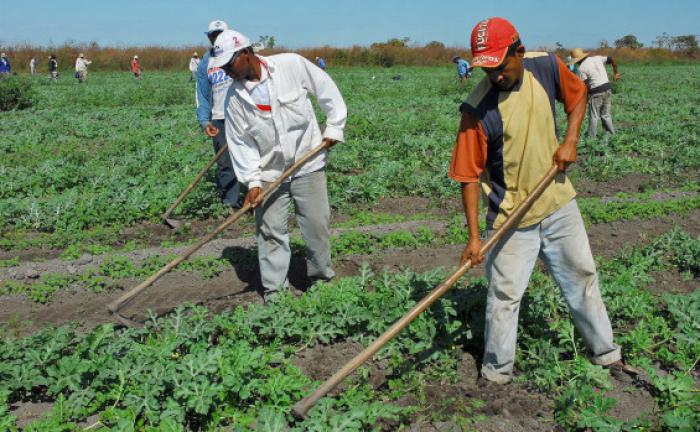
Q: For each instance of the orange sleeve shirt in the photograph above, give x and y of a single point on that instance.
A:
(470, 150)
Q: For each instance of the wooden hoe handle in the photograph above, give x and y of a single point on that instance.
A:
(300, 408)
(114, 306)
(194, 182)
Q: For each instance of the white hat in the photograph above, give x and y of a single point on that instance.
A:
(194, 54)
(225, 46)
(217, 25)
(3, 55)
(81, 55)
(136, 56)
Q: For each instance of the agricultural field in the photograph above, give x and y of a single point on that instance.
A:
(89, 169)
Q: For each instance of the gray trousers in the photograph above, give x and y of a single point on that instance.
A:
(561, 241)
(313, 216)
(229, 187)
(600, 108)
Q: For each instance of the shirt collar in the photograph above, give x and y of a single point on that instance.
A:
(264, 75)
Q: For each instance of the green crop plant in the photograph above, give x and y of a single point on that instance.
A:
(121, 152)
(189, 370)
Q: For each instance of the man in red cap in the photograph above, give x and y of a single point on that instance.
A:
(507, 141)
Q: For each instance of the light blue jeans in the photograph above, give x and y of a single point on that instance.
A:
(561, 242)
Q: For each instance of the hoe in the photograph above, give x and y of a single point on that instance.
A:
(302, 407)
(174, 223)
(116, 305)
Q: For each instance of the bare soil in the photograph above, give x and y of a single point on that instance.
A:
(241, 283)
(505, 408)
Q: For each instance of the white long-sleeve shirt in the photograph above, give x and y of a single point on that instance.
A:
(264, 143)
(194, 64)
(81, 64)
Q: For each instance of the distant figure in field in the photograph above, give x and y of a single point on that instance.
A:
(463, 70)
(194, 64)
(5, 66)
(81, 71)
(591, 69)
(136, 67)
(53, 67)
(32, 66)
(321, 62)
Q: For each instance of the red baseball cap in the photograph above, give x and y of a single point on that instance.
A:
(490, 41)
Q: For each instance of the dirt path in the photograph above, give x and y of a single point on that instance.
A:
(240, 284)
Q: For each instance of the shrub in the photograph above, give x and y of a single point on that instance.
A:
(16, 93)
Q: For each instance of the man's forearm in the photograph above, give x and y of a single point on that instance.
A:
(574, 121)
(470, 202)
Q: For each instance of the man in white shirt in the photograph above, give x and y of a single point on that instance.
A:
(270, 123)
(592, 71)
(81, 64)
(194, 65)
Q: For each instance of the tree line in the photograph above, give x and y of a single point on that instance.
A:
(394, 51)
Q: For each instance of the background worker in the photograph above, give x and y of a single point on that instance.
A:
(212, 86)
(591, 69)
(5, 66)
(32, 66)
(53, 67)
(194, 64)
(320, 62)
(270, 123)
(507, 141)
(463, 70)
(136, 67)
(81, 71)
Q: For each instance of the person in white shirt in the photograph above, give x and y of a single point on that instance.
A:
(32, 66)
(81, 64)
(591, 69)
(270, 123)
(194, 65)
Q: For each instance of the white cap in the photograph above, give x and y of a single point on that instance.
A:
(136, 56)
(81, 55)
(225, 46)
(217, 25)
(194, 54)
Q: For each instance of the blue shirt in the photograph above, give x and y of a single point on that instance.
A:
(5, 65)
(321, 63)
(462, 67)
(208, 79)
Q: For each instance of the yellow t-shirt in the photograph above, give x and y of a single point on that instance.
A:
(508, 138)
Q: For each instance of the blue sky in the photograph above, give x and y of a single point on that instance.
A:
(304, 23)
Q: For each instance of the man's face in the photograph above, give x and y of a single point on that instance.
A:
(239, 67)
(212, 36)
(508, 73)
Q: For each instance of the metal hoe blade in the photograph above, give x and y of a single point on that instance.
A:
(172, 223)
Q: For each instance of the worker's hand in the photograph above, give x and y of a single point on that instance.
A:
(565, 155)
(211, 130)
(616, 77)
(329, 142)
(472, 252)
(253, 197)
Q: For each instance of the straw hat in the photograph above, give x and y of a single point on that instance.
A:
(578, 55)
